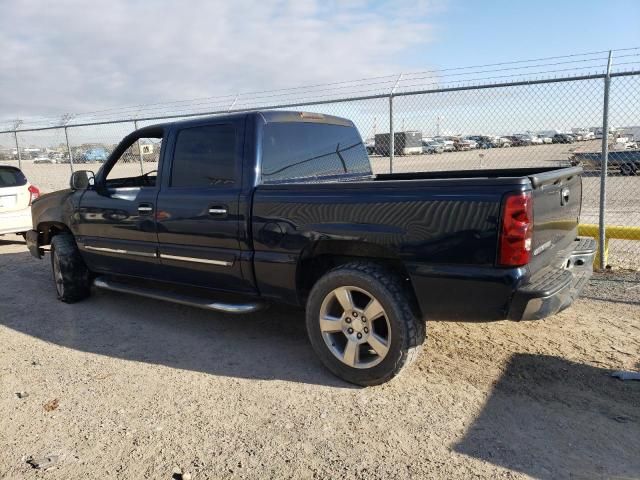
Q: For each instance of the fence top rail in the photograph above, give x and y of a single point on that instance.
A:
(336, 100)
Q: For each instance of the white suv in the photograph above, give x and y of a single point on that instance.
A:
(16, 195)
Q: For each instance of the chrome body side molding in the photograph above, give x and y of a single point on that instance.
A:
(179, 258)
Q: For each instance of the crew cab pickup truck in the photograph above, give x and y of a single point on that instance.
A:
(248, 209)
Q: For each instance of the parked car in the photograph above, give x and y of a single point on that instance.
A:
(529, 139)
(461, 145)
(563, 138)
(504, 142)
(93, 155)
(447, 145)
(16, 196)
(43, 159)
(472, 143)
(276, 206)
(621, 162)
(545, 139)
(484, 142)
(516, 141)
(370, 145)
(432, 147)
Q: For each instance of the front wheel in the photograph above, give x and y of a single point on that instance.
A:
(361, 324)
(70, 274)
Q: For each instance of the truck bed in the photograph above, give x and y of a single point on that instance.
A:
(443, 223)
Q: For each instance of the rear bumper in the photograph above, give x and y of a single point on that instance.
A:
(15, 222)
(555, 289)
(33, 243)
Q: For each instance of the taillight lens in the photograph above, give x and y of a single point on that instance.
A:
(517, 230)
(34, 193)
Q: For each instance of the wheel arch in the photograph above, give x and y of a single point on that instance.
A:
(322, 256)
(48, 229)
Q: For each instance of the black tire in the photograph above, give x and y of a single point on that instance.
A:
(628, 169)
(70, 274)
(406, 330)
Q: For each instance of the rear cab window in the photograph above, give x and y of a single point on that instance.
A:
(11, 177)
(309, 151)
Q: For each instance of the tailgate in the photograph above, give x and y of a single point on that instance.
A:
(557, 196)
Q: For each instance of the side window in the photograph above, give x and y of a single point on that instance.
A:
(137, 166)
(205, 157)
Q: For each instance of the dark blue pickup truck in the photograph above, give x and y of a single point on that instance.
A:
(247, 209)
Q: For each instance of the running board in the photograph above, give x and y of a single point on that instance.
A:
(192, 301)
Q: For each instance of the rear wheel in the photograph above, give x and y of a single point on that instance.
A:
(70, 274)
(361, 324)
(628, 169)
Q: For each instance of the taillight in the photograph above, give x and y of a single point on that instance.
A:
(517, 230)
(34, 193)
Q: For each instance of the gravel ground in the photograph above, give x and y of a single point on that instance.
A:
(128, 388)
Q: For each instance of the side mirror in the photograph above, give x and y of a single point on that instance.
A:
(81, 180)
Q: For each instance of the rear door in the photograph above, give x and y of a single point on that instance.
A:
(199, 219)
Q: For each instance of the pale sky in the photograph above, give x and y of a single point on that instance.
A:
(78, 56)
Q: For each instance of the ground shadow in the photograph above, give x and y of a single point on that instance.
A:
(10, 240)
(550, 418)
(268, 345)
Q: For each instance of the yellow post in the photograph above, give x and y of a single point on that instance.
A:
(621, 232)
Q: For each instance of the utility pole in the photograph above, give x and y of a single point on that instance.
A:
(16, 125)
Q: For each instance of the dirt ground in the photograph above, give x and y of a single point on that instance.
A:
(129, 388)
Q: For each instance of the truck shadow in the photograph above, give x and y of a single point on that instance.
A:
(10, 240)
(551, 418)
(270, 345)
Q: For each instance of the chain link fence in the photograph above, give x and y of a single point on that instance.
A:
(431, 121)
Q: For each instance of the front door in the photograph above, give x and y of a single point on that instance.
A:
(199, 221)
(115, 228)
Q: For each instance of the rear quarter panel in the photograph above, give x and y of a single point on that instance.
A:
(437, 223)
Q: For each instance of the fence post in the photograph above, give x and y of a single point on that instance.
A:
(604, 160)
(15, 134)
(135, 126)
(391, 134)
(392, 140)
(66, 136)
(16, 125)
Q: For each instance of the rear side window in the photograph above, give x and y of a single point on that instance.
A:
(310, 151)
(205, 157)
(11, 177)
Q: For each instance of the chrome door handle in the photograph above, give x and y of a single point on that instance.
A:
(217, 211)
(145, 209)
